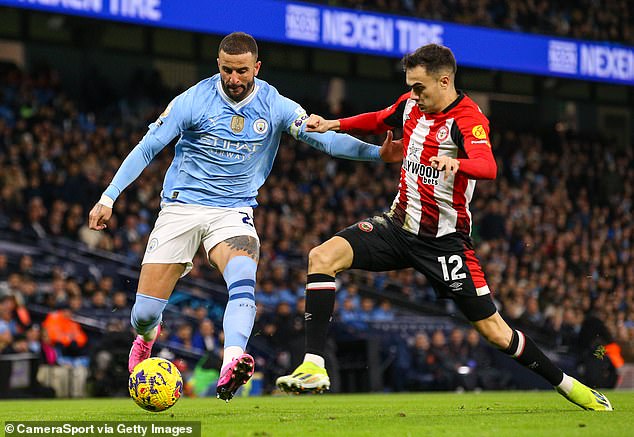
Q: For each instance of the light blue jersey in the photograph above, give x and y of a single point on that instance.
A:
(226, 149)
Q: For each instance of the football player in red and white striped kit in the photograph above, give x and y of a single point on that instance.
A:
(446, 148)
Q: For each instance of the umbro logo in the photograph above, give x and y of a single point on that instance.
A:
(308, 316)
(456, 286)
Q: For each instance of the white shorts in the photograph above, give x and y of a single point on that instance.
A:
(180, 229)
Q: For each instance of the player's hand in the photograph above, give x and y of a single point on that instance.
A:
(317, 123)
(446, 163)
(391, 150)
(99, 215)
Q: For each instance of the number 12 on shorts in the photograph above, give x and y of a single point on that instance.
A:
(456, 262)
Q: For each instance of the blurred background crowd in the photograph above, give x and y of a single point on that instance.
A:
(554, 234)
(606, 20)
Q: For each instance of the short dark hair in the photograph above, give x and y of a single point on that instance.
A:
(237, 43)
(433, 57)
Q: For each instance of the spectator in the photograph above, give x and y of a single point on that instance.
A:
(384, 312)
(441, 363)
(183, 336)
(120, 305)
(108, 370)
(67, 335)
(204, 338)
(420, 371)
(488, 376)
(4, 267)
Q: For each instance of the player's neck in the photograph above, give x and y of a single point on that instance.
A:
(448, 99)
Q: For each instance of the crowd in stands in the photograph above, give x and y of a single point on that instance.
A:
(604, 20)
(554, 235)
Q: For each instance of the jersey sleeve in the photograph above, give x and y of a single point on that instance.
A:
(376, 122)
(471, 134)
(338, 145)
(176, 118)
(291, 115)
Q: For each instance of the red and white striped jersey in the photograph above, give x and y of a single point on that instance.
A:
(427, 204)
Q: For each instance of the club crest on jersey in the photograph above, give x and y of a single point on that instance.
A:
(442, 134)
(479, 132)
(366, 226)
(153, 244)
(237, 124)
(260, 126)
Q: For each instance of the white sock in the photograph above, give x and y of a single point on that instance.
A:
(231, 352)
(149, 336)
(566, 384)
(315, 359)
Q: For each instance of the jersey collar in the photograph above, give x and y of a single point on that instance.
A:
(454, 103)
(233, 103)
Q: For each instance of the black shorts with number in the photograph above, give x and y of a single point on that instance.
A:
(448, 262)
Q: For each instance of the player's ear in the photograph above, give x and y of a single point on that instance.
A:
(445, 81)
(257, 68)
(218, 61)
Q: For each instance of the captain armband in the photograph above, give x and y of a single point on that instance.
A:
(296, 126)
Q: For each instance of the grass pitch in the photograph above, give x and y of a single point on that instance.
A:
(493, 414)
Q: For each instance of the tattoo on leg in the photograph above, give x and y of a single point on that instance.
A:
(246, 244)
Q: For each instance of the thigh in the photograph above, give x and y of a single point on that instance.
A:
(159, 280)
(450, 264)
(376, 245)
(223, 252)
(230, 232)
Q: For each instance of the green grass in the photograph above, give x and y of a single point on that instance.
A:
(492, 414)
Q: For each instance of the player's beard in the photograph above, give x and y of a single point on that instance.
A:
(238, 92)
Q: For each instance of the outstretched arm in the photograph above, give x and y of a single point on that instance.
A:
(377, 122)
(130, 169)
(345, 146)
(170, 123)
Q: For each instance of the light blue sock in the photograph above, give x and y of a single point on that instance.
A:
(146, 313)
(239, 316)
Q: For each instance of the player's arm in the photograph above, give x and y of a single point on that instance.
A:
(348, 147)
(338, 145)
(377, 122)
(335, 144)
(472, 136)
(169, 124)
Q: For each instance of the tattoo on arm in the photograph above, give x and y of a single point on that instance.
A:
(246, 244)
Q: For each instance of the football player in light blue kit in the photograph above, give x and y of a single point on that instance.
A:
(229, 129)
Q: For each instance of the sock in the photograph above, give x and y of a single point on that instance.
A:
(566, 384)
(239, 315)
(230, 353)
(146, 315)
(320, 303)
(526, 352)
(315, 359)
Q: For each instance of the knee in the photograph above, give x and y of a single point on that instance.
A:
(147, 311)
(497, 339)
(238, 268)
(497, 336)
(320, 260)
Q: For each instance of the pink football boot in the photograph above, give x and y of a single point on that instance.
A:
(141, 350)
(234, 375)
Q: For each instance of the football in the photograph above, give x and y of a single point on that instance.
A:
(155, 384)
